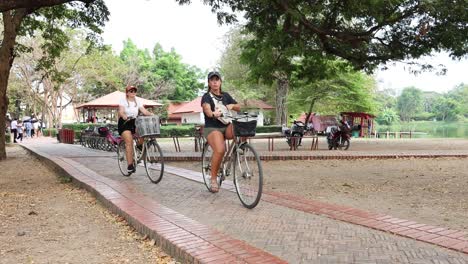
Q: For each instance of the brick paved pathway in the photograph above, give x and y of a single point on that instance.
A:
(296, 236)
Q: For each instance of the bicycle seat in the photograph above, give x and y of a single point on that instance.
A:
(103, 131)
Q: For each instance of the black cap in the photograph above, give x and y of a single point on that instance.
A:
(214, 73)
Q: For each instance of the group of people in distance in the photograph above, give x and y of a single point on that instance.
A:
(24, 129)
(215, 131)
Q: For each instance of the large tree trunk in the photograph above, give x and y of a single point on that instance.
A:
(281, 101)
(11, 22)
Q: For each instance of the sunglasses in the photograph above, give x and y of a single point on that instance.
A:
(132, 91)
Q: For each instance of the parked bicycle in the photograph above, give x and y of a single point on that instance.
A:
(103, 138)
(147, 127)
(241, 159)
(112, 139)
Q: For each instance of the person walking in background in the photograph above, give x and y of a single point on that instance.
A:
(33, 130)
(36, 128)
(14, 130)
(41, 128)
(19, 128)
(28, 127)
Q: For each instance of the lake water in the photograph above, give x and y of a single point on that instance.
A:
(432, 129)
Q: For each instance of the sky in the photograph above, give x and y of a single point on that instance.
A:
(192, 30)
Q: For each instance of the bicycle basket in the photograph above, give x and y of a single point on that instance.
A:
(244, 128)
(147, 126)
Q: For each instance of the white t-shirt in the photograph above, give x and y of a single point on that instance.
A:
(14, 123)
(131, 109)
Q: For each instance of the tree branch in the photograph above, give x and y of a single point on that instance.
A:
(6, 5)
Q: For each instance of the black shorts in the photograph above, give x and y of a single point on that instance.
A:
(128, 125)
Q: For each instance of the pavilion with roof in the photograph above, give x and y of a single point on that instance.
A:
(108, 102)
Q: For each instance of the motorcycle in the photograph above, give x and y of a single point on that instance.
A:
(339, 137)
(295, 133)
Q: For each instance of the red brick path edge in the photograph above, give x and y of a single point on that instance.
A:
(448, 238)
(183, 238)
(306, 156)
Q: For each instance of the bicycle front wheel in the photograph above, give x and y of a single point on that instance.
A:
(154, 161)
(122, 159)
(206, 165)
(248, 176)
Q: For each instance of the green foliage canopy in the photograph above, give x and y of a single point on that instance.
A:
(160, 74)
(49, 18)
(366, 33)
(409, 103)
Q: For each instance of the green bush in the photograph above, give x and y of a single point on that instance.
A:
(50, 132)
(81, 126)
(77, 134)
(268, 129)
(7, 137)
(424, 116)
(179, 131)
(169, 124)
(185, 130)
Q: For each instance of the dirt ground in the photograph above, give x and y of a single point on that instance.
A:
(430, 191)
(45, 221)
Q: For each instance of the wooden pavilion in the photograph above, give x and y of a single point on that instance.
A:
(361, 122)
(106, 102)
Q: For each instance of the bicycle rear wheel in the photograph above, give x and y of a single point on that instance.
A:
(206, 165)
(248, 176)
(154, 161)
(122, 159)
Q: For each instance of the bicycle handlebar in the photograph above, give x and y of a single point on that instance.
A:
(129, 118)
(237, 117)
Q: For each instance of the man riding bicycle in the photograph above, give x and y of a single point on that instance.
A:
(129, 107)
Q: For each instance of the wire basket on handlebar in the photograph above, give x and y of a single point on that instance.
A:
(147, 126)
(243, 127)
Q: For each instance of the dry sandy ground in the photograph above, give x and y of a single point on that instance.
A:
(45, 221)
(430, 191)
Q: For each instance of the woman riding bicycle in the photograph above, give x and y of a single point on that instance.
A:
(129, 107)
(217, 131)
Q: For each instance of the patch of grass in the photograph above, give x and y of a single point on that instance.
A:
(64, 178)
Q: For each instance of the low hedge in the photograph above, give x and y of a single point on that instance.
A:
(166, 130)
(81, 126)
(50, 132)
(7, 137)
(268, 129)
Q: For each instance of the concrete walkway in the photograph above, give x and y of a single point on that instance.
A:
(194, 225)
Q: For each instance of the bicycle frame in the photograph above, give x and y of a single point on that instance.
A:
(227, 160)
(135, 138)
(113, 140)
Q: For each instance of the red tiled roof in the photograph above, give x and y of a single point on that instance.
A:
(112, 101)
(172, 107)
(193, 106)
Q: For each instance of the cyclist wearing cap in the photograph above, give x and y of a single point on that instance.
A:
(216, 131)
(129, 107)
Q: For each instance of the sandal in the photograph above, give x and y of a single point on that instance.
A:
(214, 188)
